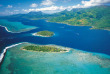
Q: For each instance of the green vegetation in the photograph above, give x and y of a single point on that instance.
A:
(43, 48)
(45, 33)
(98, 17)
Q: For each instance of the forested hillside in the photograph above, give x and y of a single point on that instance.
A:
(98, 17)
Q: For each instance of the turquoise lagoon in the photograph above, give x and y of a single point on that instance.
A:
(75, 61)
(15, 27)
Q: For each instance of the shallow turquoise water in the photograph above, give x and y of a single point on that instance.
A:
(74, 62)
(78, 37)
(19, 61)
(15, 26)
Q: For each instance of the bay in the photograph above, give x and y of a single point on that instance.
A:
(78, 37)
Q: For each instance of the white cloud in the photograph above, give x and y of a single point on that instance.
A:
(90, 3)
(47, 2)
(51, 8)
(25, 10)
(75, 6)
(9, 6)
(54, 9)
(33, 5)
(94, 2)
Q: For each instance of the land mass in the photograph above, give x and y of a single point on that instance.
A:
(44, 33)
(75, 62)
(98, 17)
(44, 48)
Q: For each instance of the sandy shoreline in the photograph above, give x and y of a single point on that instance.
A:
(75, 60)
(61, 47)
(35, 34)
(2, 55)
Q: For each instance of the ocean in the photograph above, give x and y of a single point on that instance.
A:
(89, 54)
(78, 37)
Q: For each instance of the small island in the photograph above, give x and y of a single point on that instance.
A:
(45, 48)
(44, 33)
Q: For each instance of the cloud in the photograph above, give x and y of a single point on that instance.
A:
(90, 3)
(51, 8)
(33, 5)
(47, 2)
(75, 6)
(9, 6)
(7, 12)
(94, 2)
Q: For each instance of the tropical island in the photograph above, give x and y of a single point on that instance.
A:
(46, 62)
(94, 17)
(97, 17)
(44, 33)
(44, 48)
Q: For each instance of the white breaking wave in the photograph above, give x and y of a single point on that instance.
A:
(2, 54)
(8, 30)
(11, 31)
(5, 28)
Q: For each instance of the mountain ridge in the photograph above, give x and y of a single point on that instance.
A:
(97, 17)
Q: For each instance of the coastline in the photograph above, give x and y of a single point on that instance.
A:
(92, 27)
(2, 55)
(98, 29)
(35, 34)
(61, 47)
(75, 59)
(15, 32)
(6, 29)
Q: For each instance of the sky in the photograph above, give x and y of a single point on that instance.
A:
(10, 7)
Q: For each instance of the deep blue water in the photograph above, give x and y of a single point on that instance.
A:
(78, 37)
